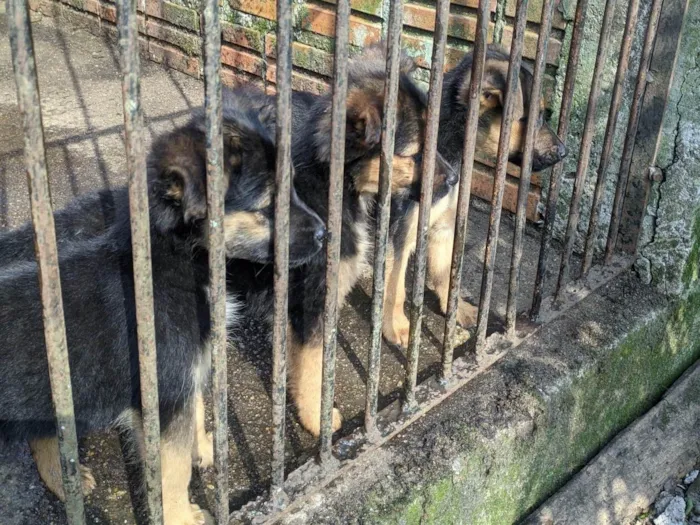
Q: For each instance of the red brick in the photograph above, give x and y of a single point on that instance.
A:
(235, 77)
(474, 3)
(174, 57)
(530, 45)
(322, 21)
(304, 56)
(263, 8)
(242, 60)
(173, 13)
(482, 187)
(373, 7)
(242, 36)
(189, 43)
(300, 81)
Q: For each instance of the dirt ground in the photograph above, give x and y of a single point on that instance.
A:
(82, 112)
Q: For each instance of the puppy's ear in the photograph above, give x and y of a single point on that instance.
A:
(494, 80)
(364, 121)
(179, 163)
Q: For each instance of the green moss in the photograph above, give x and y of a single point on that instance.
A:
(181, 16)
(692, 265)
(501, 479)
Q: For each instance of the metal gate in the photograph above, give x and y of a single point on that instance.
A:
(417, 399)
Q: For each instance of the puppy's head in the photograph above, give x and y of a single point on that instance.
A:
(365, 111)
(548, 149)
(177, 172)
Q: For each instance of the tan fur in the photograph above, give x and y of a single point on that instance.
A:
(241, 226)
(305, 381)
(203, 446)
(48, 463)
(395, 325)
(404, 173)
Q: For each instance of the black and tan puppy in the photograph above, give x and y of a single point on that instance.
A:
(98, 296)
(548, 151)
(311, 138)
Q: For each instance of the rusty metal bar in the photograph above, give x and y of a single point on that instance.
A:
(391, 92)
(283, 133)
(216, 190)
(622, 66)
(335, 222)
(555, 177)
(632, 125)
(533, 118)
(586, 145)
(47, 255)
(516, 51)
(465, 183)
(426, 197)
(141, 248)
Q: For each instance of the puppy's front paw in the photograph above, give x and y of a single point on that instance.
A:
(205, 449)
(311, 421)
(466, 314)
(396, 329)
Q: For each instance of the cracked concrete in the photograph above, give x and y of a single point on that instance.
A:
(669, 234)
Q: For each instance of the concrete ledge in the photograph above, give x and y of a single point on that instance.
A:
(502, 444)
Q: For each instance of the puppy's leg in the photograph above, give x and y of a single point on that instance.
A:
(203, 447)
(48, 463)
(395, 325)
(176, 468)
(440, 244)
(305, 379)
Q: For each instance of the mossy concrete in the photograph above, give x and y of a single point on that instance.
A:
(499, 446)
(587, 59)
(670, 241)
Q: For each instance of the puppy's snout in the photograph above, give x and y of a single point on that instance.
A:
(561, 150)
(320, 234)
(452, 177)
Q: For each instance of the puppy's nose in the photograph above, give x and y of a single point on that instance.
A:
(452, 178)
(561, 150)
(320, 234)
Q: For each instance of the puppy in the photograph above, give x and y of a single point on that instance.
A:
(311, 140)
(548, 150)
(98, 296)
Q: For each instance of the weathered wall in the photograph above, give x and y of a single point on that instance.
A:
(506, 441)
(670, 246)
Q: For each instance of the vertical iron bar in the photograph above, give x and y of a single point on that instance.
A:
(586, 145)
(216, 190)
(335, 222)
(616, 102)
(465, 182)
(555, 177)
(515, 61)
(283, 133)
(426, 197)
(632, 125)
(533, 119)
(47, 255)
(141, 247)
(391, 91)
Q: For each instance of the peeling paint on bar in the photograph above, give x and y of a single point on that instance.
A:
(141, 248)
(47, 255)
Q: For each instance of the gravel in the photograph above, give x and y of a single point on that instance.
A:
(678, 503)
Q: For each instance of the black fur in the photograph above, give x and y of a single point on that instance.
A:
(97, 283)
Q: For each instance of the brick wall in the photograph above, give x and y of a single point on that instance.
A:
(171, 36)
